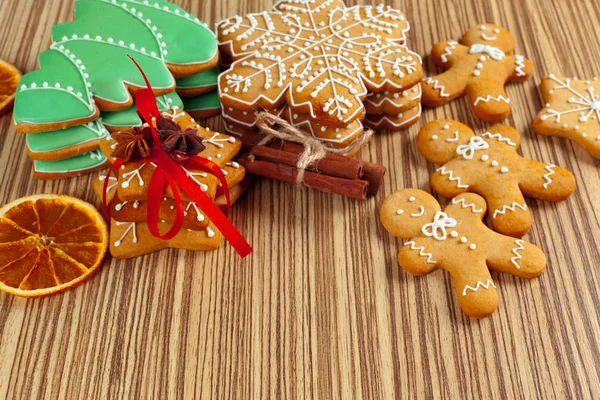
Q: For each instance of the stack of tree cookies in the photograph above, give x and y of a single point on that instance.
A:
(128, 186)
(83, 87)
(314, 64)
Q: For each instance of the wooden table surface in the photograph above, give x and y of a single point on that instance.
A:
(321, 309)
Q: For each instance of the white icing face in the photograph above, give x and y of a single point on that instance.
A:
(489, 34)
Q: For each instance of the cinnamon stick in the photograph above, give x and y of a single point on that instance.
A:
(356, 189)
(347, 168)
(373, 173)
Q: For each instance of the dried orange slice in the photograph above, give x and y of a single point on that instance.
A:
(9, 80)
(49, 243)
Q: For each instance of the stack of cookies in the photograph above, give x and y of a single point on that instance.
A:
(315, 63)
(127, 192)
(83, 87)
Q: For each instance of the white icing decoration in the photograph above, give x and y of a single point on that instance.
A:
(494, 52)
(110, 178)
(464, 204)
(199, 215)
(454, 139)
(479, 285)
(174, 114)
(467, 151)
(549, 168)
(131, 227)
(420, 213)
(583, 104)
(436, 86)
(448, 50)
(489, 98)
(512, 207)
(442, 170)
(193, 176)
(422, 252)
(520, 60)
(128, 176)
(437, 228)
(500, 138)
(215, 142)
(515, 251)
(210, 233)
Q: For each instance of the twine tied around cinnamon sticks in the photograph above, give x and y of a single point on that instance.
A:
(314, 149)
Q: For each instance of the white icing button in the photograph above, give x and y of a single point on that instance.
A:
(504, 169)
(434, 137)
(472, 246)
(400, 212)
(454, 234)
(494, 163)
(446, 126)
(484, 157)
(411, 198)
(463, 239)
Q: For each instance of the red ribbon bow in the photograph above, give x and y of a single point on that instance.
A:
(169, 171)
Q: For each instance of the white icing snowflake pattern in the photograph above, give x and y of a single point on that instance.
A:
(308, 49)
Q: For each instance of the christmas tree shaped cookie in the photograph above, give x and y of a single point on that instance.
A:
(87, 68)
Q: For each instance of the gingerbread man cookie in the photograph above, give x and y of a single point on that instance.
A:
(480, 66)
(490, 166)
(572, 111)
(458, 241)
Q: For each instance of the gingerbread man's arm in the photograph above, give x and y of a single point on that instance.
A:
(445, 54)
(504, 135)
(523, 68)
(452, 178)
(508, 210)
(515, 256)
(416, 256)
(546, 181)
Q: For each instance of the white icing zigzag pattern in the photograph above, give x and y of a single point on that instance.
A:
(422, 252)
(489, 98)
(512, 207)
(520, 60)
(515, 251)
(448, 50)
(451, 177)
(500, 138)
(436, 85)
(464, 204)
(479, 285)
(547, 178)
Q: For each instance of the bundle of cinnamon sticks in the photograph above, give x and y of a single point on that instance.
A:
(334, 173)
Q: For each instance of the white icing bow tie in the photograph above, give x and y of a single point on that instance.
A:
(491, 51)
(437, 228)
(469, 149)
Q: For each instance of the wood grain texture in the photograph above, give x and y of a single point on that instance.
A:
(321, 310)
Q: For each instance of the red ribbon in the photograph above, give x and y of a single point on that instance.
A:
(169, 171)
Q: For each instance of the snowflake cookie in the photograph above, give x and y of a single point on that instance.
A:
(479, 67)
(319, 57)
(490, 166)
(572, 111)
(458, 241)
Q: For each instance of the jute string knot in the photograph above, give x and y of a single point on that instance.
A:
(314, 149)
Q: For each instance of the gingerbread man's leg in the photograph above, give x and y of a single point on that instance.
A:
(443, 88)
(547, 182)
(489, 100)
(515, 257)
(508, 211)
(475, 288)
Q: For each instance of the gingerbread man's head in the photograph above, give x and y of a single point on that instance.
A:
(490, 35)
(405, 212)
(439, 141)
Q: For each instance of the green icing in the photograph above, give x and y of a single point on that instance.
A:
(89, 55)
(58, 82)
(206, 78)
(56, 140)
(130, 117)
(203, 102)
(79, 163)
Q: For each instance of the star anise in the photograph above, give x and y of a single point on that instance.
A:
(175, 139)
(133, 144)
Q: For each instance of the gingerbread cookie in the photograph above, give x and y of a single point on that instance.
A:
(198, 84)
(393, 103)
(320, 58)
(87, 68)
(458, 241)
(572, 111)
(69, 167)
(490, 166)
(480, 67)
(394, 122)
